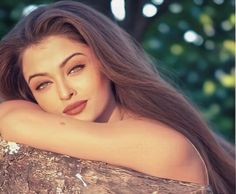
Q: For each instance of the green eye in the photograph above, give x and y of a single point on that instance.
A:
(76, 68)
(42, 86)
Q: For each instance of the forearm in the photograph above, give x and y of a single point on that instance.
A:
(52, 132)
(116, 143)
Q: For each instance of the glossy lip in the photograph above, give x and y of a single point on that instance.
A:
(75, 108)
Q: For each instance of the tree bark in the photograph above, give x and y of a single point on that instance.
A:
(26, 170)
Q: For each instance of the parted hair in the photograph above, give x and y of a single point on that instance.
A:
(137, 85)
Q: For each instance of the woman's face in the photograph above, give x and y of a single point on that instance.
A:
(64, 78)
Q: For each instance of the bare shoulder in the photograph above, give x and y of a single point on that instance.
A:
(169, 153)
(168, 141)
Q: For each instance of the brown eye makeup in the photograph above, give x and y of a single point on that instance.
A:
(76, 69)
(42, 86)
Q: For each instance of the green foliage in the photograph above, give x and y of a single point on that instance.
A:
(204, 66)
(11, 12)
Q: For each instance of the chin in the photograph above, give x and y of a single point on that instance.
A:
(83, 118)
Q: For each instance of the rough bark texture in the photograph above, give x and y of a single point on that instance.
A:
(31, 171)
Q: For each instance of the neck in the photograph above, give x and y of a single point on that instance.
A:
(112, 113)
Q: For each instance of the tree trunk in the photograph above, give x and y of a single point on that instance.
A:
(25, 170)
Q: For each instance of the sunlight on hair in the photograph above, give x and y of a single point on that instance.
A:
(192, 37)
(157, 2)
(118, 9)
(28, 9)
(149, 10)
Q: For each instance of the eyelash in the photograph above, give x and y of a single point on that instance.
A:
(79, 66)
(38, 88)
(44, 84)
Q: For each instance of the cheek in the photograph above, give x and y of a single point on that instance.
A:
(98, 90)
(94, 84)
(47, 102)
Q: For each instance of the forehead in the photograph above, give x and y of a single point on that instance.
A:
(49, 46)
(53, 50)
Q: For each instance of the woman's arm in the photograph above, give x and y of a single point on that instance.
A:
(140, 145)
(26, 123)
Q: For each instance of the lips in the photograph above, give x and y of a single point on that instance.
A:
(75, 108)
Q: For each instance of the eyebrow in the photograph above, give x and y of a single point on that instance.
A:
(63, 63)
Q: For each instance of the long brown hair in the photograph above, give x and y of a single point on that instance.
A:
(137, 86)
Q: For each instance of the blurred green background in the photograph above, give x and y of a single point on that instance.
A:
(192, 40)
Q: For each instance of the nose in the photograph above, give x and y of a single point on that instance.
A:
(66, 92)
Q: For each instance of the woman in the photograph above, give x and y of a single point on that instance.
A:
(82, 81)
